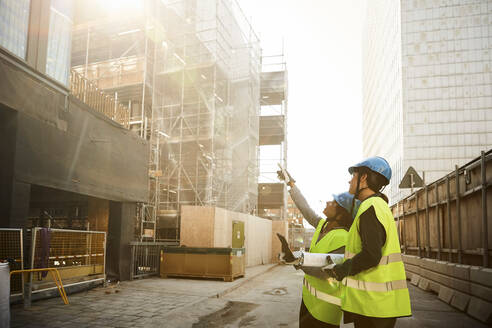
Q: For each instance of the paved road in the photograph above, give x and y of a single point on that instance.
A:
(272, 299)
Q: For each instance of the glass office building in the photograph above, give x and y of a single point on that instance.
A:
(23, 21)
(427, 81)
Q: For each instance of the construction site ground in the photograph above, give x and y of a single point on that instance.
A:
(269, 296)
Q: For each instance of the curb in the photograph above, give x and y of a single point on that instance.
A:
(244, 280)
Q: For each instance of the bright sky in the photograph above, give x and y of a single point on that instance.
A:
(322, 45)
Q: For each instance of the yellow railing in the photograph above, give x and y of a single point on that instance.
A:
(88, 92)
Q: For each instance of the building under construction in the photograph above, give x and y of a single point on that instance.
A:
(272, 200)
(190, 73)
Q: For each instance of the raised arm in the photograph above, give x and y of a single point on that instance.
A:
(303, 206)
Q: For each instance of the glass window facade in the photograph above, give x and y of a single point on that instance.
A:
(427, 85)
(382, 94)
(14, 22)
(446, 58)
(59, 40)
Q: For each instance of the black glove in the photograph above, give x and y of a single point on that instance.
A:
(314, 271)
(338, 271)
(286, 256)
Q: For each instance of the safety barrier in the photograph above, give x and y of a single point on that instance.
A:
(56, 278)
(11, 248)
(145, 259)
(78, 255)
(88, 92)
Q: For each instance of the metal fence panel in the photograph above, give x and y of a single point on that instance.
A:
(449, 218)
(11, 248)
(78, 255)
(146, 258)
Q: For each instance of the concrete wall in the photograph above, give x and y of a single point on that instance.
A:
(467, 288)
(89, 157)
(120, 233)
(203, 226)
(8, 135)
(61, 143)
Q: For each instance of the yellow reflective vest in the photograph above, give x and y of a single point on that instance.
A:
(380, 291)
(322, 297)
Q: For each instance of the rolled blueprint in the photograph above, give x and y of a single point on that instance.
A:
(320, 260)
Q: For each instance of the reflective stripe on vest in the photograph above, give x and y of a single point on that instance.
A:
(390, 258)
(375, 286)
(380, 291)
(320, 295)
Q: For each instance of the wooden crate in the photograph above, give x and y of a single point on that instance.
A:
(205, 226)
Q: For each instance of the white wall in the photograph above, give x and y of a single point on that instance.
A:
(257, 233)
(258, 243)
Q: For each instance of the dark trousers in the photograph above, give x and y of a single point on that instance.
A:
(361, 321)
(306, 320)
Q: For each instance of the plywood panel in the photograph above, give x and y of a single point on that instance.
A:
(282, 228)
(212, 227)
(98, 214)
(223, 227)
(197, 226)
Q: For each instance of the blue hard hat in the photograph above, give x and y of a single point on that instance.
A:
(345, 200)
(376, 164)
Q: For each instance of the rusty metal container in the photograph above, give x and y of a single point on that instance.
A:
(198, 262)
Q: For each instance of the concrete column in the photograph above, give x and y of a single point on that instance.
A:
(19, 204)
(14, 204)
(121, 231)
(14, 195)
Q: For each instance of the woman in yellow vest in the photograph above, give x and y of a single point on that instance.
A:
(374, 286)
(320, 305)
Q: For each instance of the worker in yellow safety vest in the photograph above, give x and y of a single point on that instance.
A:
(320, 305)
(374, 286)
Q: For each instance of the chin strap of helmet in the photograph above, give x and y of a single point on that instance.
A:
(357, 192)
(355, 195)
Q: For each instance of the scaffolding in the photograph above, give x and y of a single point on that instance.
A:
(272, 201)
(189, 72)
